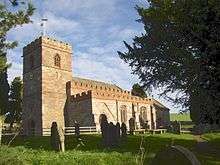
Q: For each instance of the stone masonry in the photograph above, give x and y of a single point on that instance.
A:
(52, 94)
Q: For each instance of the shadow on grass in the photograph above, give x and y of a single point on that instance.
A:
(93, 143)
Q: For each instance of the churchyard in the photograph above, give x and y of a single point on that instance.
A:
(89, 150)
(52, 117)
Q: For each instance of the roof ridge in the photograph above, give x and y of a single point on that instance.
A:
(97, 81)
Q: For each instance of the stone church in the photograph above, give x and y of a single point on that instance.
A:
(51, 93)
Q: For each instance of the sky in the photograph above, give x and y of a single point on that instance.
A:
(96, 30)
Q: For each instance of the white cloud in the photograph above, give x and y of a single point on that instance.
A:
(87, 10)
(14, 71)
(94, 28)
(60, 25)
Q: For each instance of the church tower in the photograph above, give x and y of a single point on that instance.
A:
(46, 70)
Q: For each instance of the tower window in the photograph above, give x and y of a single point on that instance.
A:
(57, 60)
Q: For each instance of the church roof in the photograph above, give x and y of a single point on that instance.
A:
(112, 86)
(96, 83)
(158, 104)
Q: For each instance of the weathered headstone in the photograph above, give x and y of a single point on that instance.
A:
(77, 130)
(131, 126)
(175, 155)
(176, 127)
(62, 138)
(115, 137)
(104, 130)
(123, 130)
(118, 132)
(57, 137)
(111, 135)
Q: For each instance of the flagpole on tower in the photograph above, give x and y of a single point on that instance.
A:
(43, 24)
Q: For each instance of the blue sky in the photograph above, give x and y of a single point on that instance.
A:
(95, 29)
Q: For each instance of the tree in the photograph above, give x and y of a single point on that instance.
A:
(137, 90)
(9, 18)
(178, 52)
(4, 90)
(15, 100)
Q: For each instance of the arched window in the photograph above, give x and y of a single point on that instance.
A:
(123, 109)
(102, 118)
(57, 60)
(143, 113)
(143, 117)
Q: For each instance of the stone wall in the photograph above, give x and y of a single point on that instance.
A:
(79, 108)
(54, 78)
(52, 94)
(91, 105)
(32, 101)
(45, 83)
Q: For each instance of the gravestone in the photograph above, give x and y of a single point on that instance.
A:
(118, 132)
(175, 155)
(62, 139)
(176, 126)
(104, 129)
(131, 126)
(77, 131)
(110, 134)
(114, 136)
(123, 130)
(57, 137)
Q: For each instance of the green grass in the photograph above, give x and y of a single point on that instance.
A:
(37, 150)
(185, 120)
(180, 117)
(213, 138)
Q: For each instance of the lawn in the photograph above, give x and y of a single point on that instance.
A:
(186, 122)
(180, 117)
(37, 150)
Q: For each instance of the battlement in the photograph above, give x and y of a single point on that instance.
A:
(103, 88)
(47, 41)
(109, 96)
(81, 96)
(119, 96)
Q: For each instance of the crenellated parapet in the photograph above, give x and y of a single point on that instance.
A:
(48, 42)
(106, 88)
(110, 96)
(121, 97)
(100, 90)
(81, 96)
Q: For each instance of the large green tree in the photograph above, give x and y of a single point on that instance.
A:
(4, 90)
(15, 101)
(137, 90)
(12, 14)
(9, 18)
(178, 51)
